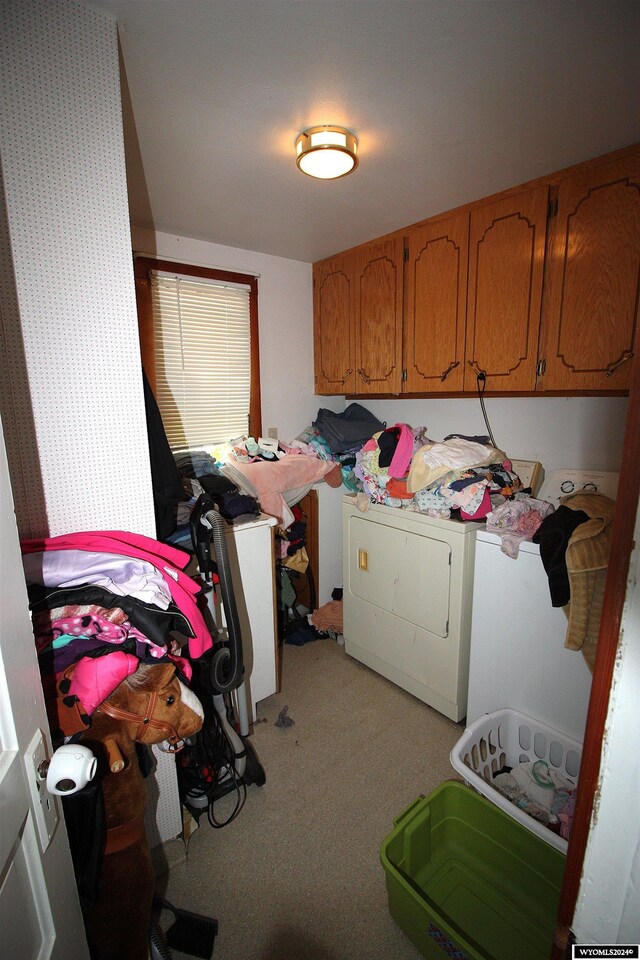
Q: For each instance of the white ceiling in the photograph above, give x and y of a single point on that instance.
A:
(451, 100)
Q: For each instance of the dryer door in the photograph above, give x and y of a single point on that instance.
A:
(407, 575)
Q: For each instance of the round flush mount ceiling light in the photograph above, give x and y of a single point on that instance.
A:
(327, 152)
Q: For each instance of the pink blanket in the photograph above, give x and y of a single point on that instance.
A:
(270, 479)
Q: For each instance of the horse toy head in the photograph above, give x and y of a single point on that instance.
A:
(150, 706)
(154, 705)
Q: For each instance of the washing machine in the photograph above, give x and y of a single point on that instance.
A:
(517, 655)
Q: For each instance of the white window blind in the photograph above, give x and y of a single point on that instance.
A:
(202, 346)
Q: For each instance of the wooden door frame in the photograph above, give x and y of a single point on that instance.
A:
(608, 642)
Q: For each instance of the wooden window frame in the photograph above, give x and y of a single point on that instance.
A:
(142, 268)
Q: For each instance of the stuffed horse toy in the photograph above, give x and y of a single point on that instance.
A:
(149, 706)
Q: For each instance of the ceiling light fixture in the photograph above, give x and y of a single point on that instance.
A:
(327, 152)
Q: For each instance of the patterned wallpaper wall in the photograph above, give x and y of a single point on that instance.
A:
(71, 390)
(71, 393)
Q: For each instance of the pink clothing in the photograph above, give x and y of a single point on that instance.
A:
(97, 627)
(269, 480)
(482, 511)
(517, 520)
(95, 678)
(51, 623)
(169, 561)
(401, 460)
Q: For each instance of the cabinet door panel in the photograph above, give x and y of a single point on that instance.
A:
(506, 258)
(594, 279)
(334, 303)
(435, 305)
(378, 326)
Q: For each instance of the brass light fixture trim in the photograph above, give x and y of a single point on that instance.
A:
(327, 152)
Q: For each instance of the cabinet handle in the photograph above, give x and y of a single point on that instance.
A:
(627, 355)
(474, 366)
(347, 375)
(363, 375)
(452, 366)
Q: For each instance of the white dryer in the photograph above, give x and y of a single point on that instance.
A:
(407, 600)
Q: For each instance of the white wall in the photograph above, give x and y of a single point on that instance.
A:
(72, 375)
(575, 432)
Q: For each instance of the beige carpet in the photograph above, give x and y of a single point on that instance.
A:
(297, 875)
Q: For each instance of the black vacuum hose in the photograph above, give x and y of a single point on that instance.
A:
(227, 667)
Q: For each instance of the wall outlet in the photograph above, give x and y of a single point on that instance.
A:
(273, 433)
(44, 804)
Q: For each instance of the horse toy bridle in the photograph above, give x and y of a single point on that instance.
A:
(145, 721)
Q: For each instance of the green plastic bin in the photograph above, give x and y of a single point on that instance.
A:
(465, 880)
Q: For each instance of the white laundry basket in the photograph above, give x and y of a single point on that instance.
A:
(507, 738)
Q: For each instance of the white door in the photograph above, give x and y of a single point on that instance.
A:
(40, 915)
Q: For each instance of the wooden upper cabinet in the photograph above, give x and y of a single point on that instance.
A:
(506, 267)
(593, 279)
(378, 317)
(435, 305)
(536, 296)
(333, 329)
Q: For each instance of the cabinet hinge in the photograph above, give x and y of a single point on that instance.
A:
(552, 209)
(446, 629)
(405, 254)
(541, 368)
(404, 376)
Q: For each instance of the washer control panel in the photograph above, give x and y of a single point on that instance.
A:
(561, 483)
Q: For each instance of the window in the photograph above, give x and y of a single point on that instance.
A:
(199, 344)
